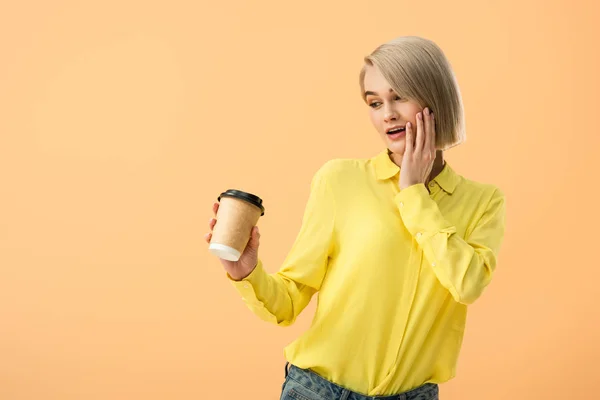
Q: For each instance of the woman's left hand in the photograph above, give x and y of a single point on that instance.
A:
(419, 153)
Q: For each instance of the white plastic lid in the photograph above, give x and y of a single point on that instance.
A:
(224, 252)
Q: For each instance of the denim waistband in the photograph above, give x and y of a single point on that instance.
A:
(330, 390)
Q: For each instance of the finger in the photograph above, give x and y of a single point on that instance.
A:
(207, 237)
(419, 136)
(408, 147)
(255, 238)
(427, 135)
(433, 134)
(211, 223)
(215, 208)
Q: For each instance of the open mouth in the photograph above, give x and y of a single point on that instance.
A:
(395, 131)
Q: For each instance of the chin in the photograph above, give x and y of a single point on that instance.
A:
(397, 148)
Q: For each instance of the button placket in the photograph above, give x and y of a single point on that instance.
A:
(432, 187)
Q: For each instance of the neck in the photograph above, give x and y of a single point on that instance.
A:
(438, 163)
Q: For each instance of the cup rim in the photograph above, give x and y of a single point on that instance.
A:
(248, 197)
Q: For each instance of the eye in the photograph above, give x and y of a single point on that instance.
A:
(373, 104)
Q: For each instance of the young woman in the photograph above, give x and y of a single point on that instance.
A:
(397, 245)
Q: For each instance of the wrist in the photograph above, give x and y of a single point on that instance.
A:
(407, 185)
(243, 274)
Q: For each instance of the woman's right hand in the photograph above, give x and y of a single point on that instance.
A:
(240, 269)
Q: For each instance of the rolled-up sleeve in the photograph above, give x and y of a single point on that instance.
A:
(463, 266)
(280, 297)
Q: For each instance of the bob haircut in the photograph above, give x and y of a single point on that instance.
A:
(417, 69)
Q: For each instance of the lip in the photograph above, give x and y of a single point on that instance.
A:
(395, 127)
(396, 136)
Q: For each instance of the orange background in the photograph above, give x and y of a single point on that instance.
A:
(121, 122)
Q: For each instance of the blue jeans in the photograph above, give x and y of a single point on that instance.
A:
(304, 384)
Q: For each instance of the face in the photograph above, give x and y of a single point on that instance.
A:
(387, 109)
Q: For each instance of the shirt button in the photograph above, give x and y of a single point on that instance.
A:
(418, 234)
(401, 204)
(433, 264)
(246, 286)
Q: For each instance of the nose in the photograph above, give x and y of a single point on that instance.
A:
(390, 114)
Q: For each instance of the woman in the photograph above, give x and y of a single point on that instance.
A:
(397, 245)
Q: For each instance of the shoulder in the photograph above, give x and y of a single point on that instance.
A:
(472, 185)
(339, 168)
(487, 193)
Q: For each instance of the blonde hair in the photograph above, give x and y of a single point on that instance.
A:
(417, 69)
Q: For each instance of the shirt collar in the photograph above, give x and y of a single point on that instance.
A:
(385, 168)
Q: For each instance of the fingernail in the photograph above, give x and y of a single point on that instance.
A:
(408, 125)
(426, 111)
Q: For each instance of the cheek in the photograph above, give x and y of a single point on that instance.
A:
(375, 120)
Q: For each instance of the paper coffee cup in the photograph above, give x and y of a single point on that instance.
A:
(238, 213)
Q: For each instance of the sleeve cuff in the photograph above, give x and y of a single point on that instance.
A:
(420, 213)
(249, 286)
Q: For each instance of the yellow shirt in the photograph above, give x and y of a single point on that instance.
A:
(395, 271)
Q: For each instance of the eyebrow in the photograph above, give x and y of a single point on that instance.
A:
(368, 92)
